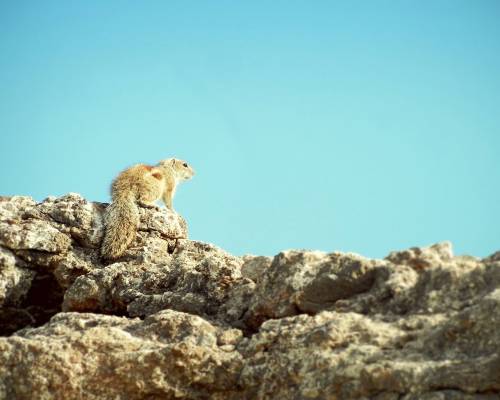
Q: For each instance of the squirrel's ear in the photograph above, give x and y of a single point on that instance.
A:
(173, 161)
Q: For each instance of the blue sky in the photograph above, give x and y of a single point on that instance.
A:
(354, 126)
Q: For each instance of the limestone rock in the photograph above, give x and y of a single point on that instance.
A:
(308, 282)
(421, 258)
(45, 247)
(89, 356)
(14, 281)
(185, 319)
(353, 356)
(196, 278)
(255, 267)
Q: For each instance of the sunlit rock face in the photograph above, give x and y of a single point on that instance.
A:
(175, 318)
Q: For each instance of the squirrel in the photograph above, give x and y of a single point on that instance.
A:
(138, 185)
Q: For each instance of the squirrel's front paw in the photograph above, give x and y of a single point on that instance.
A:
(150, 206)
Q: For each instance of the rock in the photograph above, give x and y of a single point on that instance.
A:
(308, 282)
(15, 208)
(80, 219)
(493, 258)
(353, 356)
(255, 267)
(89, 356)
(75, 263)
(185, 319)
(196, 278)
(421, 258)
(14, 281)
(34, 235)
(45, 247)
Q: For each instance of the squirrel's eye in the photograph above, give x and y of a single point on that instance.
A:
(185, 165)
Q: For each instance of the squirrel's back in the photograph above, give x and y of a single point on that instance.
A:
(137, 184)
(146, 183)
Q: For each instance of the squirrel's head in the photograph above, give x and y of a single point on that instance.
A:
(182, 169)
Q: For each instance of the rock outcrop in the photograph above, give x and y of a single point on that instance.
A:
(175, 318)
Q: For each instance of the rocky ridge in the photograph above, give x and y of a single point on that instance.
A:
(175, 318)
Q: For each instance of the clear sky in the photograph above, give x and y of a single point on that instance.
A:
(361, 126)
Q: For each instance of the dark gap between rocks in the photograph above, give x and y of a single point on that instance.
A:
(42, 301)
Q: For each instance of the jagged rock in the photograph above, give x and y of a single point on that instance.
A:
(492, 258)
(196, 278)
(88, 356)
(354, 356)
(255, 267)
(45, 247)
(33, 235)
(421, 258)
(73, 215)
(14, 281)
(446, 287)
(15, 208)
(419, 324)
(308, 282)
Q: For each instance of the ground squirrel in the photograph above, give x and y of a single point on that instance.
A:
(140, 184)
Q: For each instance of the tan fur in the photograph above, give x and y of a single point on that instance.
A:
(140, 184)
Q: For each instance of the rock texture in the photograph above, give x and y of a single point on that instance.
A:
(175, 318)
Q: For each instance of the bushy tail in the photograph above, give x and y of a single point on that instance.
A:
(121, 220)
